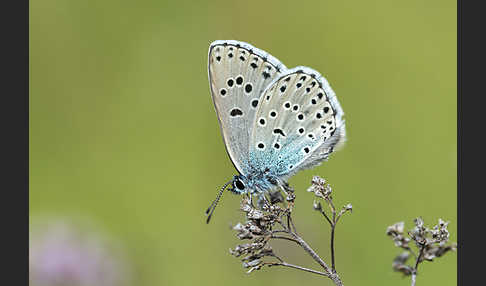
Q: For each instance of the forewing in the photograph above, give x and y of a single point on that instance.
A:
(298, 124)
(238, 75)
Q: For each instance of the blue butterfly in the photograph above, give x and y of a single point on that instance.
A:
(274, 121)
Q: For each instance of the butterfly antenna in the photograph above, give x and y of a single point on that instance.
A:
(210, 210)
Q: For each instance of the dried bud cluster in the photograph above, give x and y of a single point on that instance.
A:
(396, 232)
(431, 243)
(257, 228)
(346, 208)
(320, 188)
(399, 264)
(440, 232)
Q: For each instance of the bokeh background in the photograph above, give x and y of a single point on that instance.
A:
(123, 131)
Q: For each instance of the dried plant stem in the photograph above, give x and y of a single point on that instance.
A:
(312, 253)
(414, 271)
(329, 272)
(333, 262)
(422, 247)
(327, 218)
(414, 276)
(299, 268)
(333, 224)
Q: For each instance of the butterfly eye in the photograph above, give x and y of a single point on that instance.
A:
(239, 185)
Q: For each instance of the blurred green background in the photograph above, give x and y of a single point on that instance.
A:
(123, 129)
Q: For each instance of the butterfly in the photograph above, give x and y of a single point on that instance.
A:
(274, 121)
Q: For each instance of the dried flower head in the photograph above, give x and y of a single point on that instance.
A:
(396, 233)
(419, 232)
(399, 264)
(434, 251)
(430, 244)
(257, 228)
(320, 188)
(440, 232)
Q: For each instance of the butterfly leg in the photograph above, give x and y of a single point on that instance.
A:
(263, 200)
(289, 192)
(250, 199)
(290, 197)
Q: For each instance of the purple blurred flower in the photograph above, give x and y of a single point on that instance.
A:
(61, 254)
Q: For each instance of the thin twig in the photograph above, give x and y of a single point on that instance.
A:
(333, 226)
(333, 209)
(288, 223)
(329, 272)
(278, 258)
(311, 252)
(415, 269)
(327, 218)
(333, 263)
(292, 223)
(285, 238)
(422, 247)
(279, 231)
(414, 277)
(298, 267)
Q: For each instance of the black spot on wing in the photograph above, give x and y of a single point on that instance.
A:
(278, 131)
(236, 112)
(239, 80)
(248, 88)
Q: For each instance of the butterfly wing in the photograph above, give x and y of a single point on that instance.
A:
(298, 124)
(238, 75)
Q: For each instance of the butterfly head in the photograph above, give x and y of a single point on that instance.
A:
(239, 185)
